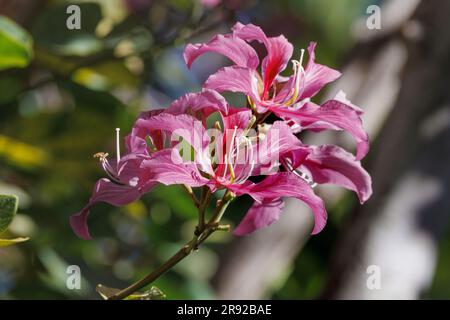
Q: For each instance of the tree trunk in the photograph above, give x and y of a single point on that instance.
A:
(398, 229)
(371, 80)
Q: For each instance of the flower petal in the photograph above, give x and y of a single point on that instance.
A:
(236, 49)
(285, 184)
(235, 79)
(279, 50)
(167, 167)
(210, 3)
(331, 115)
(277, 141)
(133, 185)
(207, 101)
(109, 192)
(316, 75)
(297, 156)
(260, 215)
(135, 141)
(279, 53)
(331, 164)
(342, 97)
(183, 125)
(239, 118)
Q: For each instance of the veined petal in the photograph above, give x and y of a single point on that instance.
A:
(277, 141)
(316, 75)
(331, 164)
(131, 186)
(331, 115)
(342, 98)
(239, 118)
(109, 192)
(279, 53)
(279, 50)
(235, 79)
(286, 184)
(260, 215)
(207, 102)
(234, 48)
(135, 141)
(297, 156)
(167, 167)
(249, 32)
(183, 125)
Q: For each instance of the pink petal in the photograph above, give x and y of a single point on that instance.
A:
(331, 115)
(135, 141)
(278, 141)
(109, 192)
(279, 50)
(183, 125)
(235, 79)
(207, 102)
(239, 118)
(316, 75)
(286, 185)
(132, 185)
(249, 32)
(210, 3)
(236, 49)
(279, 53)
(342, 98)
(331, 164)
(297, 156)
(260, 215)
(167, 167)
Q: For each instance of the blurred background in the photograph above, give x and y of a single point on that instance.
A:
(63, 92)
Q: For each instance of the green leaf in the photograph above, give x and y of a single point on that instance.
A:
(10, 242)
(8, 209)
(153, 294)
(16, 45)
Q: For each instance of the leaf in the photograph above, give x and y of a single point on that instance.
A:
(153, 294)
(10, 242)
(8, 209)
(16, 45)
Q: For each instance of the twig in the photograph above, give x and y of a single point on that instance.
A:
(201, 233)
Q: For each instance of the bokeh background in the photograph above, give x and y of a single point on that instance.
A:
(63, 92)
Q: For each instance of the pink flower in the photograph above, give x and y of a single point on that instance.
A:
(210, 3)
(268, 91)
(176, 146)
(324, 164)
(142, 167)
(233, 175)
(319, 165)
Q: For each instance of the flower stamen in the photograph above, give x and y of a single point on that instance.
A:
(118, 146)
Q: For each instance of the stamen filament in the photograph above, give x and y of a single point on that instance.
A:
(302, 53)
(298, 71)
(118, 145)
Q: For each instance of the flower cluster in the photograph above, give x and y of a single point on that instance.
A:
(242, 152)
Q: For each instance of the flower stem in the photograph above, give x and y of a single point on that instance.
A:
(206, 197)
(177, 257)
(202, 232)
(191, 194)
